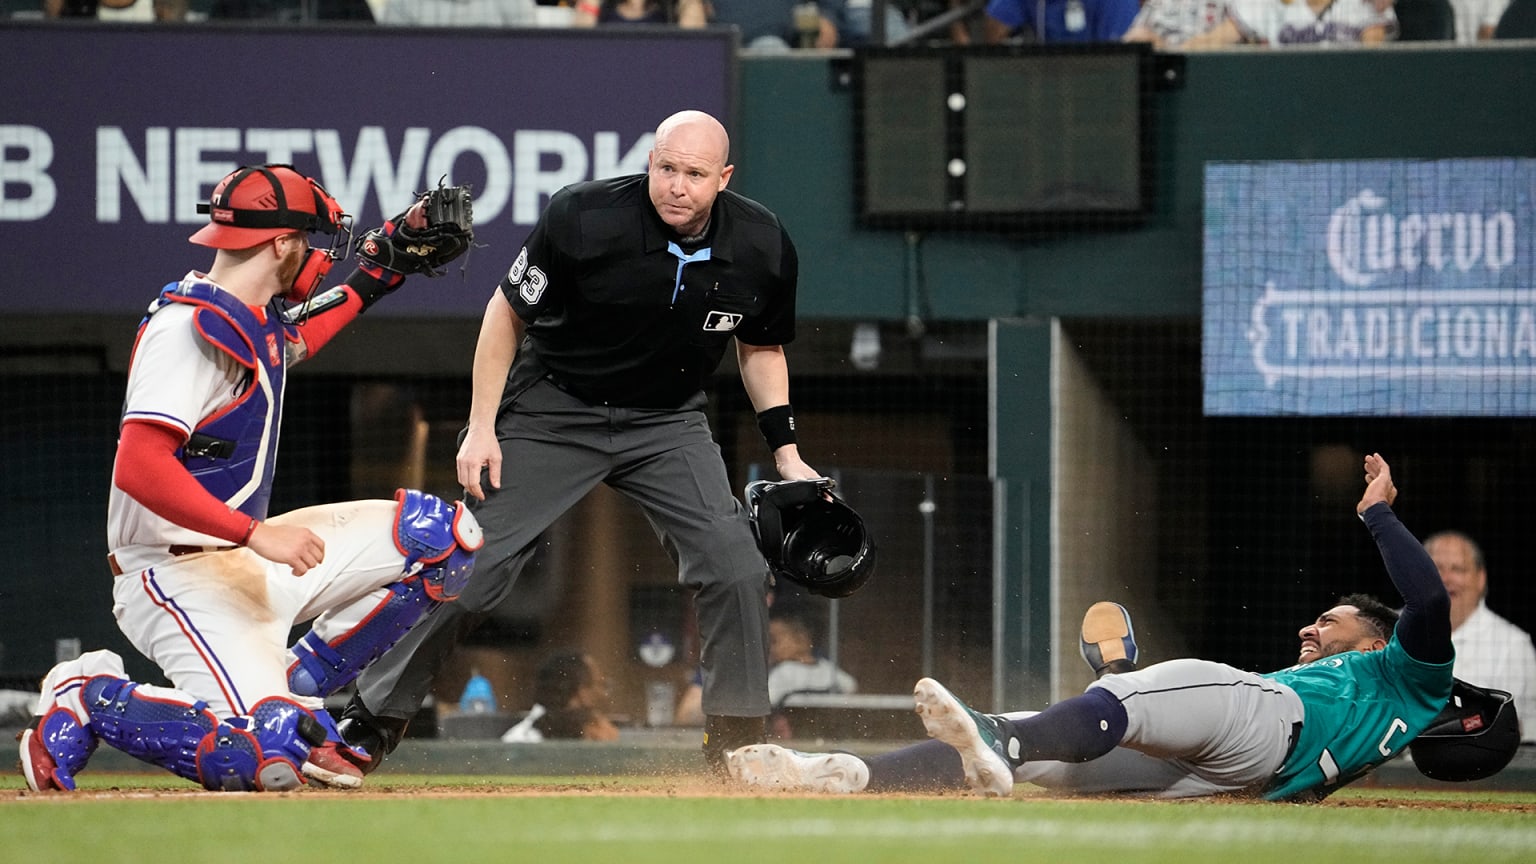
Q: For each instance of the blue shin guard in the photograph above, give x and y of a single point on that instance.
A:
(161, 732)
(321, 668)
(261, 752)
(439, 540)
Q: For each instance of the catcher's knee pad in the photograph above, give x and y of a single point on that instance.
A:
(437, 538)
(164, 732)
(320, 668)
(263, 752)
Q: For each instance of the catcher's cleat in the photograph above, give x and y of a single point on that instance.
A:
(724, 734)
(769, 766)
(988, 748)
(54, 748)
(1108, 641)
(335, 765)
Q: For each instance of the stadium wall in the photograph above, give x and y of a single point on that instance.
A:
(794, 151)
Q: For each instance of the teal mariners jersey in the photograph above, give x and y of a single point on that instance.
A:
(1362, 708)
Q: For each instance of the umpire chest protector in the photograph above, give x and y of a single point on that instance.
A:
(621, 311)
(233, 453)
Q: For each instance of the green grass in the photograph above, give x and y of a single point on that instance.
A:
(406, 825)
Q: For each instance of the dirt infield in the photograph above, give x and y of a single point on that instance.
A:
(130, 787)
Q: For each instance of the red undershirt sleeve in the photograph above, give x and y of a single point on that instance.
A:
(149, 472)
(361, 290)
(320, 328)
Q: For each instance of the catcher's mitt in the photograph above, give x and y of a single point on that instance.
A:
(438, 228)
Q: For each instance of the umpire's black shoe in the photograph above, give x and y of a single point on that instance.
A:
(379, 736)
(724, 734)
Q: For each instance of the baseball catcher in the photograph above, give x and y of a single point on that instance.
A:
(207, 585)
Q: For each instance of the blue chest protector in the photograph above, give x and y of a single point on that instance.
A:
(233, 453)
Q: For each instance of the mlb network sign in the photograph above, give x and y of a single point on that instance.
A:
(1388, 288)
(99, 184)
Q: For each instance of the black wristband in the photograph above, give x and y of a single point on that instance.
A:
(372, 282)
(777, 425)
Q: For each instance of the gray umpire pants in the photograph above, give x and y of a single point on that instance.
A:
(555, 449)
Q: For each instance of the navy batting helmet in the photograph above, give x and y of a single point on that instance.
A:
(810, 536)
(1472, 738)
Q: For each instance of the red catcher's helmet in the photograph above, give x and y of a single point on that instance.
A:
(259, 202)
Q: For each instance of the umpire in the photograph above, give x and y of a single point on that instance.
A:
(590, 368)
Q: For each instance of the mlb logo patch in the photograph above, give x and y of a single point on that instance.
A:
(722, 321)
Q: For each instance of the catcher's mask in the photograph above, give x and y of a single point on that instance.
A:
(259, 202)
(1473, 737)
(810, 536)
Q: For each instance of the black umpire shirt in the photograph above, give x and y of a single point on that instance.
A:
(621, 312)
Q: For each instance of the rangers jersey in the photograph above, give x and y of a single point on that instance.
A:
(228, 410)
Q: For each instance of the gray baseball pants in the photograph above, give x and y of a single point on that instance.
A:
(555, 449)
(1195, 728)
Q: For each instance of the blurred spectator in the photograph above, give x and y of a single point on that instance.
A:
(573, 693)
(683, 13)
(459, 13)
(552, 13)
(1477, 19)
(171, 10)
(125, 10)
(771, 26)
(1490, 651)
(117, 10)
(794, 664)
(69, 8)
(1056, 21)
(1168, 23)
(290, 11)
(854, 21)
(968, 29)
(1299, 22)
(690, 705)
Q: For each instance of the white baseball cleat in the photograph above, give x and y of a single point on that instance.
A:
(769, 766)
(980, 738)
